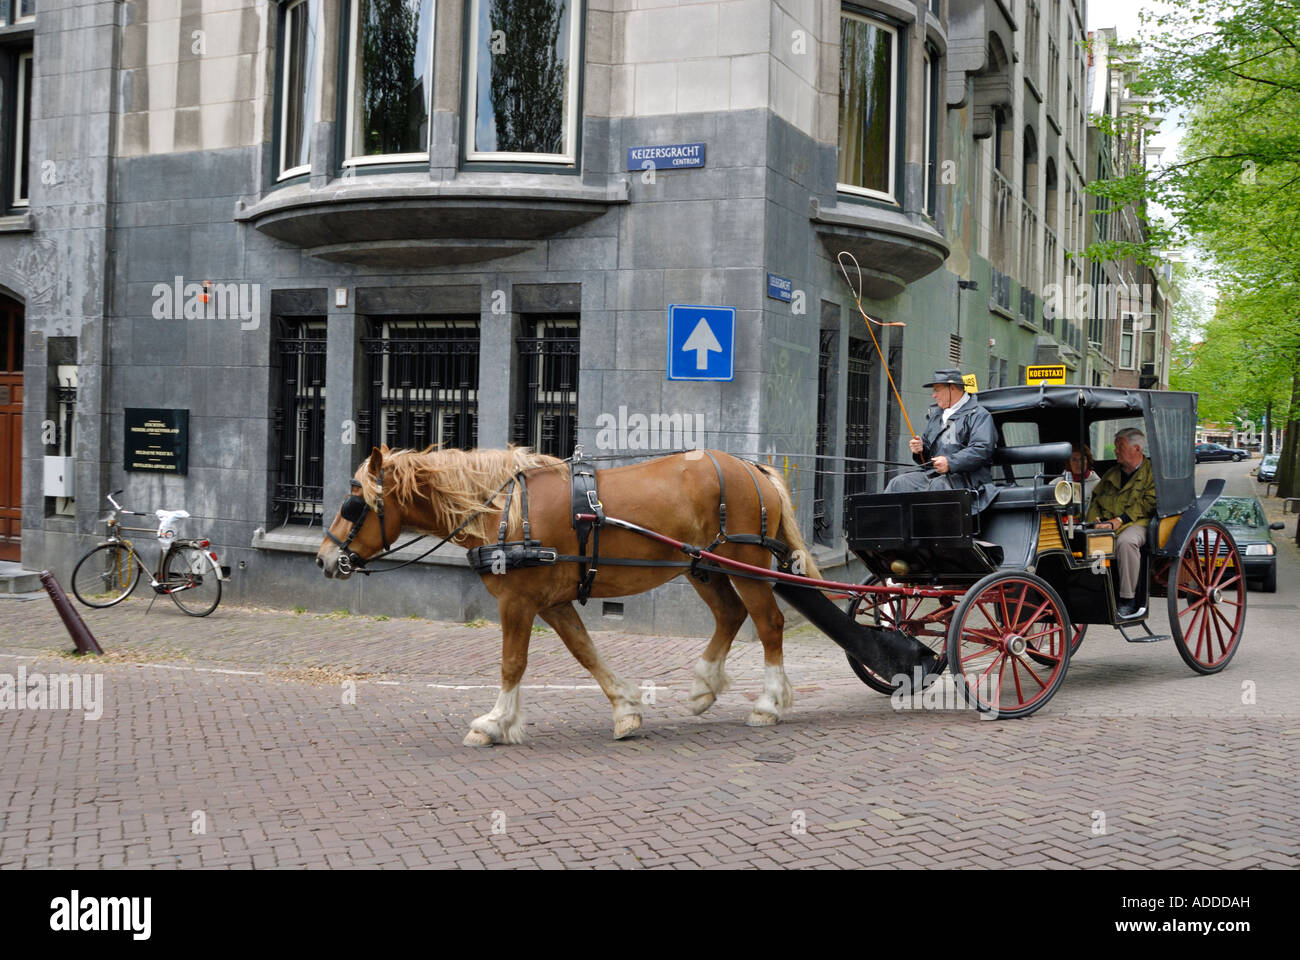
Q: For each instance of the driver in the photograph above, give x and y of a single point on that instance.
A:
(1125, 501)
(956, 445)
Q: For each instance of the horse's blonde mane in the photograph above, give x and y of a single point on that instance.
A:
(454, 483)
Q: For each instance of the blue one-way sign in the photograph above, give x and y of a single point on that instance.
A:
(701, 342)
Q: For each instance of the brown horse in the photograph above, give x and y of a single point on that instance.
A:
(433, 492)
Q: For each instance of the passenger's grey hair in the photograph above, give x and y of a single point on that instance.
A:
(1134, 436)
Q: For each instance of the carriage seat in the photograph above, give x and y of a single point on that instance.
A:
(1015, 497)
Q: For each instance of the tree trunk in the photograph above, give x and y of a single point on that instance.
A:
(1288, 467)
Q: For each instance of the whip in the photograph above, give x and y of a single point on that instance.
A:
(857, 299)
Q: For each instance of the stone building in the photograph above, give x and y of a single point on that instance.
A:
(318, 225)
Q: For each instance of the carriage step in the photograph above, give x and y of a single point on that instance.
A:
(1148, 636)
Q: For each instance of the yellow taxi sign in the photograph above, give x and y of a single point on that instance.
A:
(1052, 374)
(972, 386)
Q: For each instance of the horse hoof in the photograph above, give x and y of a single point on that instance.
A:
(477, 738)
(702, 702)
(757, 719)
(626, 726)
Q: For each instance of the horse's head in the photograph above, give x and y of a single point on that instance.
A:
(365, 525)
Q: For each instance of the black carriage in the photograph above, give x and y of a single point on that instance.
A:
(1004, 596)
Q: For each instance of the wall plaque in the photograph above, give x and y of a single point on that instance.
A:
(157, 441)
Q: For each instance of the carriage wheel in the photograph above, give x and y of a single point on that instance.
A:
(998, 623)
(924, 618)
(1207, 611)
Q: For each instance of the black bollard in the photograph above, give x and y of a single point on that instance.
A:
(81, 635)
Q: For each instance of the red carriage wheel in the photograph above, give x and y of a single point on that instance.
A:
(924, 618)
(1207, 607)
(1007, 644)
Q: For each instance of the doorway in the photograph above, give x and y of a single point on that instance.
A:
(11, 428)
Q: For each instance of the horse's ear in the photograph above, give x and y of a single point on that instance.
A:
(376, 465)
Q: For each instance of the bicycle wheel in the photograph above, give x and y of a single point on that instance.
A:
(106, 575)
(189, 579)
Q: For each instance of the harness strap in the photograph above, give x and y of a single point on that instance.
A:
(505, 512)
(762, 507)
(697, 570)
(523, 502)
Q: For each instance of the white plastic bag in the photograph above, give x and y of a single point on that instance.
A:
(168, 524)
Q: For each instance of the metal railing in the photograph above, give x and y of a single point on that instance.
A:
(424, 378)
(299, 422)
(546, 409)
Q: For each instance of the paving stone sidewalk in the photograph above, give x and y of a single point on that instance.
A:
(238, 724)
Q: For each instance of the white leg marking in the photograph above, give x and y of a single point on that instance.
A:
(505, 724)
(777, 695)
(627, 707)
(710, 680)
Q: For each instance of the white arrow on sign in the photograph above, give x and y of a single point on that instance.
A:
(702, 341)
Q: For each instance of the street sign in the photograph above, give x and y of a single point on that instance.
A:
(669, 156)
(780, 288)
(972, 385)
(1052, 374)
(701, 342)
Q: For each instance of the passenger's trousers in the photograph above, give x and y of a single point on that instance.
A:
(1128, 547)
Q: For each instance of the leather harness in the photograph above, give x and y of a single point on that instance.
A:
(506, 555)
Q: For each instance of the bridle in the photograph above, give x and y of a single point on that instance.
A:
(356, 509)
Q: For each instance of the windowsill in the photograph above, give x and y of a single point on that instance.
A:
(1028, 324)
(403, 219)
(1033, 88)
(1001, 311)
(18, 222)
(305, 541)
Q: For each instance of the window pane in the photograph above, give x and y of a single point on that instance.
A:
(22, 147)
(866, 87)
(390, 77)
(26, 8)
(301, 30)
(522, 76)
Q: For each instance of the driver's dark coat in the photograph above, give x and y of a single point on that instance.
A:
(968, 441)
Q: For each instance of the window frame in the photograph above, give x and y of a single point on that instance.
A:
(1128, 320)
(348, 88)
(897, 96)
(930, 172)
(18, 140)
(573, 98)
(282, 89)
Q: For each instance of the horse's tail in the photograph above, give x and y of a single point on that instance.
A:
(788, 530)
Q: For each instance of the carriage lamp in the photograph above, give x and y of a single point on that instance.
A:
(1260, 550)
(1067, 492)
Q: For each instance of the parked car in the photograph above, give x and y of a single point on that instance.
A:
(1245, 520)
(1216, 451)
(1268, 469)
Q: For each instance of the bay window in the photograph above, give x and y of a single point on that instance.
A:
(868, 120)
(389, 81)
(522, 76)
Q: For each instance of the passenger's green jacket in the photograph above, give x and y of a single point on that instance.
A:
(1135, 502)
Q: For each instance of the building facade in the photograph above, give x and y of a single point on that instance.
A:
(319, 225)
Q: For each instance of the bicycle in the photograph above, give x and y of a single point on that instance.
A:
(188, 571)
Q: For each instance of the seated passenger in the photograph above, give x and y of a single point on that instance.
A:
(1125, 501)
(1079, 469)
(957, 445)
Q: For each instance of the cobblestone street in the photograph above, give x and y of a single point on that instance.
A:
(238, 725)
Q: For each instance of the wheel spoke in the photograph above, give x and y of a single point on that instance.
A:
(1032, 674)
(1002, 601)
(1027, 623)
(1200, 602)
(981, 653)
(1015, 675)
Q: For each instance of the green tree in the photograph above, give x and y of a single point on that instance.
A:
(1234, 193)
(528, 75)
